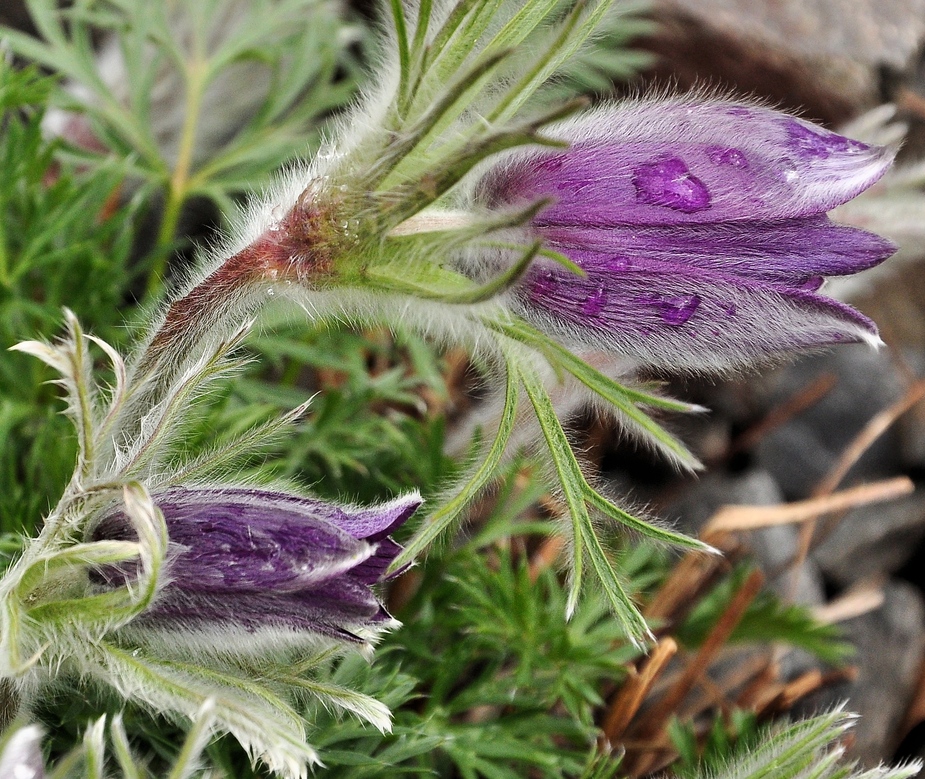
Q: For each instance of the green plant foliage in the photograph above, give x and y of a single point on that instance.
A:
(212, 97)
(359, 433)
(502, 685)
(59, 245)
(596, 69)
(767, 619)
(811, 748)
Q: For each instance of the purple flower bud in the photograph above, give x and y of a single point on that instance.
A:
(701, 227)
(253, 561)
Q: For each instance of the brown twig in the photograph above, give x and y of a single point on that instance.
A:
(655, 719)
(627, 701)
(737, 518)
(807, 397)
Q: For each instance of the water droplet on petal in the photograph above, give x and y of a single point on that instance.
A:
(595, 302)
(727, 155)
(271, 292)
(668, 182)
(677, 310)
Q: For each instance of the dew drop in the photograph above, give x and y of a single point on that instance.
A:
(668, 182)
(595, 302)
(677, 310)
(727, 155)
(619, 264)
(271, 292)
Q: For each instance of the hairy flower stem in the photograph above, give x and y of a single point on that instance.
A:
(290, 251)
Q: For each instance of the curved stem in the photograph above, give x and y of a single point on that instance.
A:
(179, 184)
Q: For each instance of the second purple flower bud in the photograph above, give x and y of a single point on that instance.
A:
(250, 568)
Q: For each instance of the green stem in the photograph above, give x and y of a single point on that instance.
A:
(4, 257)
(585, 539)
(178, 187)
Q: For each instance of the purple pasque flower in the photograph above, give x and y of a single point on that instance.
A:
(701, 227)
(261, 564)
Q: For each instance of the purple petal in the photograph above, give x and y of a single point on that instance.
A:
(246, 543)
(334, 610)
(686, 161)
(255, 558)
(673, 315)
(375, 523)
(373, 569)
(792, 251)
(368, 523)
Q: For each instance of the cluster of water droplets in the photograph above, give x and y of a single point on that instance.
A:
(668, 182)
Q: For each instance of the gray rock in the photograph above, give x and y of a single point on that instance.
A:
(800, 452)
(890, 644)
(773, 547)
(911, 425)
(820, 55)
(873, 540)
(703, 497)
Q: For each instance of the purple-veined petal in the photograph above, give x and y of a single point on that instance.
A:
(686, 161)
(791, 251)
(672, 315)
(334, 609)
(252, 559)
(373, 524)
